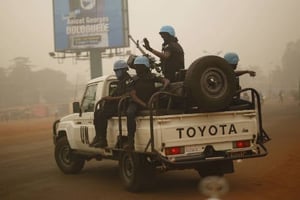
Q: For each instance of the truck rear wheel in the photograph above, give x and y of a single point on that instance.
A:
(135, 171)
(65, 160)
(210, 82)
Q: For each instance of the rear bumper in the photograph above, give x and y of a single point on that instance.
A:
(191, 161)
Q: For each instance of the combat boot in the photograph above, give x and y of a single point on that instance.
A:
(102, 142)
(94, 142)
(130, 144)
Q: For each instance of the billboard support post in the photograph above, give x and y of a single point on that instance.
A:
(96, 63)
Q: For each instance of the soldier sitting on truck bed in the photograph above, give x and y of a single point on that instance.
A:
(140, 93)
(110, 107)
(233, 60)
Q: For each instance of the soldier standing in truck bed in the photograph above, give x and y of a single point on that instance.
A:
(172, 54)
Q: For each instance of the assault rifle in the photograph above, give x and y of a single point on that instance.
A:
(130, 61)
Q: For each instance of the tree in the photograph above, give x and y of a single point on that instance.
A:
(21, 83)
(291, 62)
(53, 86)
(3, 86)
(22, 86)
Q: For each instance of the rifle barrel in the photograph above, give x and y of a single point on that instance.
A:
(137, 45)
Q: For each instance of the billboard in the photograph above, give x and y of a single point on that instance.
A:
(90, 24)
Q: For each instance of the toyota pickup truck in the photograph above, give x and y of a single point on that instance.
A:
(197, 123)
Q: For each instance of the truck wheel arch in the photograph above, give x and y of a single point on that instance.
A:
(65, 160)
(135, 171)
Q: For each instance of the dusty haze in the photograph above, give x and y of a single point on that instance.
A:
(258, 30)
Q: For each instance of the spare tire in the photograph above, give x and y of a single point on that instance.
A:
(210, 83)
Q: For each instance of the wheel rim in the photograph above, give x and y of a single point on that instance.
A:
(213, 83)
(65, 155)
(128, 168)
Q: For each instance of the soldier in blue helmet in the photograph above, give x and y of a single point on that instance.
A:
(233, 59)
(110, 107)
(172, 54)
(142, 89)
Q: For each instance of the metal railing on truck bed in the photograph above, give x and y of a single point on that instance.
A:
(254, 103)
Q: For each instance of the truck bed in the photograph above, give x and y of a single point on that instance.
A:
(193, 133)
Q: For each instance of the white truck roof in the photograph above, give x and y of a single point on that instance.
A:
(102, 78)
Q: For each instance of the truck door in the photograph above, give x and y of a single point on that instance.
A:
(84, 128)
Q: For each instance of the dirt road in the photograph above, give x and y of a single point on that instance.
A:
(28, 169)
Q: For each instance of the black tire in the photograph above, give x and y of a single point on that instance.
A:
(210, 82)
(215, 168)
(65, 160)
(136, 171)
(204, 174)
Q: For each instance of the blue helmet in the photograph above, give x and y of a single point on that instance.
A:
(232, 58)
(142, 60)
(120, 64)
(167, 29)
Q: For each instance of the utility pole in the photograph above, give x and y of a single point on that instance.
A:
(96, 63)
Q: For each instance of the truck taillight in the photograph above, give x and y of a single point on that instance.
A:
(174, 150)
(241, 144)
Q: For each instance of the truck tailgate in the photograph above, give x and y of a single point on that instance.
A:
(196, 131)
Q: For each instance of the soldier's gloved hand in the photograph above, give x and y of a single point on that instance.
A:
(252, 73)
(147, 45)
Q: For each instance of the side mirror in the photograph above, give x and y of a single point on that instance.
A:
(76, 107)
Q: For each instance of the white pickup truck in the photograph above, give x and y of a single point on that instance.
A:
(192, 125)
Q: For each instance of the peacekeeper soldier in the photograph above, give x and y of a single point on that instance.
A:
(142, 89)
(233, 60)
(110, 107)
(172, 54)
